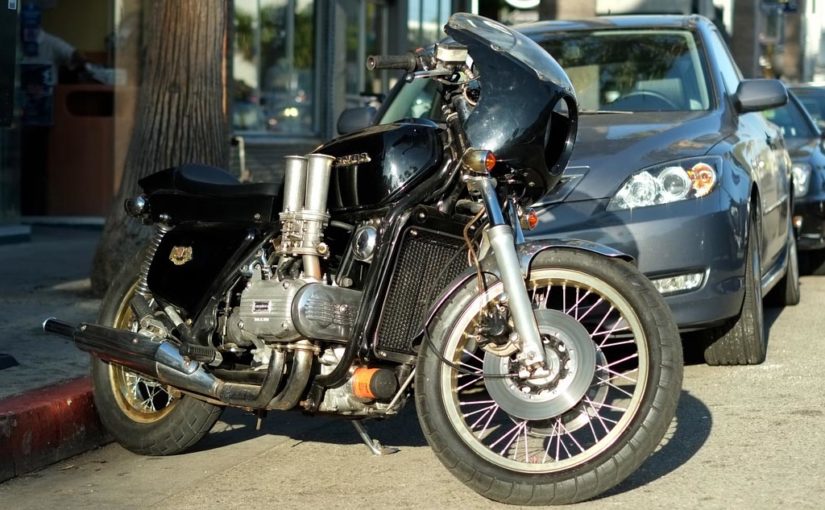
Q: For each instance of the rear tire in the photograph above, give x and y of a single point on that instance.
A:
(142, 415)
(742, 341)
(582, 450)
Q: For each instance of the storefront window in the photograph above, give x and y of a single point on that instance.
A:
(426, 20)
(366, 34)
(274, 88)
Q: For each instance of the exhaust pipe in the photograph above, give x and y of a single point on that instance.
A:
(161, 360)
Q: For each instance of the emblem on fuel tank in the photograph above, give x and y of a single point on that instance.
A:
(352, 159)
(180, 255)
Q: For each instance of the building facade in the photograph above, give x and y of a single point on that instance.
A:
(293, 67)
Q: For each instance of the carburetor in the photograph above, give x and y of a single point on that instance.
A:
(304, 217)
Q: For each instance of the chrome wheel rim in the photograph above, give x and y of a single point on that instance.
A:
(141, 398)
(581, 431)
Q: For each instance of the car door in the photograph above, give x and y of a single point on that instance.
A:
(772, 161)
(758, 146)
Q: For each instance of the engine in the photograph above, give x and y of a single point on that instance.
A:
(285, 303)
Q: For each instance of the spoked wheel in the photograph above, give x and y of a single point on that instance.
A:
(143, 399)
(142, 414)
(615, 366)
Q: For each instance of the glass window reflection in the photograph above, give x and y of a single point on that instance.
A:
(272, 67)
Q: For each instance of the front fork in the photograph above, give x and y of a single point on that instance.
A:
(503, 243)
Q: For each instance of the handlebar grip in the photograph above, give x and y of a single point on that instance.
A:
(408, 62)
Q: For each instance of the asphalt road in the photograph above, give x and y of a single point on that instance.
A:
(744, 437)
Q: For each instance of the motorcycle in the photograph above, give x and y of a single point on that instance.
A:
(393, 265)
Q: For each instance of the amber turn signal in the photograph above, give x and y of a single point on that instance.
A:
(479, 161)
(703, 178)
(529, 220)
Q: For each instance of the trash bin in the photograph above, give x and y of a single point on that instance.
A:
(80, 169)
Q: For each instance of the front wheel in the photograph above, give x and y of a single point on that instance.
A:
(616, 369)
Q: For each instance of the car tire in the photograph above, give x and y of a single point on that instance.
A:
(743, 340)
(787, 292)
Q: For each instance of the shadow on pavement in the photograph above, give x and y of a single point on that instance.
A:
(402, 430)
(688, 432)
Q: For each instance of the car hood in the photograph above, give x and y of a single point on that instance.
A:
(613, 146)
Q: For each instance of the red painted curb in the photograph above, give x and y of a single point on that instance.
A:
(44, 426)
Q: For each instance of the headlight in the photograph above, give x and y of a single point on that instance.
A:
(801, 173)
(669, 182)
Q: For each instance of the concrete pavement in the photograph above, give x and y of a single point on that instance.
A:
(743, 438)
(46, 410)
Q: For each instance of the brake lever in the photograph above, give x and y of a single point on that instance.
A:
(428, 74)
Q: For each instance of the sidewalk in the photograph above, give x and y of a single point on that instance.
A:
(46, 411)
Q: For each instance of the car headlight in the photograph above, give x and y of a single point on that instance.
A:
(801, 173)
(682, 179)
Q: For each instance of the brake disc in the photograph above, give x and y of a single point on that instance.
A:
(571, 359)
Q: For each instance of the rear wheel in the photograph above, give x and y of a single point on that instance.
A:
(143, 415)
(616, 371)
(742, 341)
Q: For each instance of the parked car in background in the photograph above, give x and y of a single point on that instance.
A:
(812, 98)
(807, 150)
(674, 164)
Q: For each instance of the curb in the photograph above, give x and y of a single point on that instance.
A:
(47, 425)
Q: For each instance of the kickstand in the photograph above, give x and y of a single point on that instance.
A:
(373, 444)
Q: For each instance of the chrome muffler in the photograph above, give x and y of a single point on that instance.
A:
(162, 360)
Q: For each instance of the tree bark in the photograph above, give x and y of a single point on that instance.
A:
(181, 114)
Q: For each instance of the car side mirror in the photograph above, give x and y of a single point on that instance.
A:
(758, 95)
(353, 119)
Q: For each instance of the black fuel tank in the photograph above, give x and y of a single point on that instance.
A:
(377, 165)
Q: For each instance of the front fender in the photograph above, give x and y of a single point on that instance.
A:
(527, 252)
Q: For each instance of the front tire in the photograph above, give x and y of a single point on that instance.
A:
(743, 341)
(143, 415)
(556, 452)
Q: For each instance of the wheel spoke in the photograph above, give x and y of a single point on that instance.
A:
(495, 427)
(632, 356)
(470, 383)
(615, 374)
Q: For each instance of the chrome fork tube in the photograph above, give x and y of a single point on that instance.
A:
(502, 242)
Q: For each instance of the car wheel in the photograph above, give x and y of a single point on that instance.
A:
(743, 341)
(786, 292)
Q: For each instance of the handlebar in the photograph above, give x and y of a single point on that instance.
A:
(408, 62)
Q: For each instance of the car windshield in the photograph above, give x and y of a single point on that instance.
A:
(792, 121)
(632, 70)
(814, 101)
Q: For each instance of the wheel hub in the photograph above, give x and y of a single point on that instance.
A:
(571, 361)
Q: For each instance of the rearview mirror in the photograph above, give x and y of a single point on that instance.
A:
(353, 119)
(758, 95)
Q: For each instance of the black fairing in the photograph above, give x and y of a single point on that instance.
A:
(527, 111)
(401, 156)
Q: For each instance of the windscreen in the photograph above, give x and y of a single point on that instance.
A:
(632, 70)
(791, 121)
(526, 113)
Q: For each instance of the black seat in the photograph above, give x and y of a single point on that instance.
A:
(205, 180)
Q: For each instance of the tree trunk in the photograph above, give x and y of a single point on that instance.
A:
(181, 114)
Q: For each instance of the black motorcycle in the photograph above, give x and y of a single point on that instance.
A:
(394, 263)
